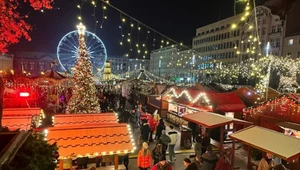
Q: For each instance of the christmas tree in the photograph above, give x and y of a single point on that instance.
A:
(84, 98)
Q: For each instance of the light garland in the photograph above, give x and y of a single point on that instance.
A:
(187, 94)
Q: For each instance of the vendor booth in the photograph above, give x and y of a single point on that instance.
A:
(17, 122)
(83, 142)
(36, 114)
(209, 121)
(282, 146)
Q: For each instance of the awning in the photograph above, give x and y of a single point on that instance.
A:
(85, 119)
(290, 125)
(266, 140)
(91, 140)
(22, 111)
(17, 122)
(226, 102)
(211, 120)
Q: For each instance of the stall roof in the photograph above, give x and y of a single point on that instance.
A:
(283, 146)
(290, 125)
(21, 111)
(17, 122)
(211, 120)
(81, 119)
(91, 140)
(226, 102)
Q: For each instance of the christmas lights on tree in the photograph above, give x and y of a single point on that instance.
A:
(84, 98)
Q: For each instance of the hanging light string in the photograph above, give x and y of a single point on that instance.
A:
(94, 3)
(123, 20)
(79, 7)
(104, 17)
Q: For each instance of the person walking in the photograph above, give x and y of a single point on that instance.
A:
(144, 157)
(189, 164)
(224, 162)
(152, 125)
(174, 137)
(145, 131)
(159, 128)
(165, 140)
(205, 142)
(162, 164)
(209, 159)
(198, 146)
(266, 163)
(157, 152)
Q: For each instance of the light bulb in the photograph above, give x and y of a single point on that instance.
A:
(131, 25)
(123, 20)
(104, 7)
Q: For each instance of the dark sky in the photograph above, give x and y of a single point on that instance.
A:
(176, 19)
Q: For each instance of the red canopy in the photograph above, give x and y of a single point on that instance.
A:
(226, 102)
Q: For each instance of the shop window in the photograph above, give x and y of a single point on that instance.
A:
(291, 41)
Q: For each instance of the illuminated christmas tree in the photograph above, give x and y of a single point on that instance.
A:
(84, 98)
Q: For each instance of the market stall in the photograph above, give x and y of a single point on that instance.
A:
(209, 121)
(36, 114)
(90, 141)
(284, 108)
(17, 122)
(269, 141)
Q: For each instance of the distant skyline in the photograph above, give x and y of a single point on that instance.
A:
(175, 19)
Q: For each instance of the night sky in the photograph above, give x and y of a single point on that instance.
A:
(176, 19)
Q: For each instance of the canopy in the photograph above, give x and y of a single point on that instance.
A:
(22, 111)
(91, 140)
(269, 141)
(85, 119)
(17, 122)
(211, 120)
(226, 102)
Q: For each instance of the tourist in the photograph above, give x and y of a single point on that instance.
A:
(157, 152)
(159, 128)
(224, 162)
(266, 163)
(152, 125)
(144, 157)
(165, 140)
(145, 131)
(205, 142)
(209, 159)
(198, 146)
(162, 164)
(174, 137)
(189, 165)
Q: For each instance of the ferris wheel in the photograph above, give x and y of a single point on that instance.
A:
(67, 51)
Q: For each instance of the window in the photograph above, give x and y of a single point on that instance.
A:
(264, 31)
(277, 42)
(273, 29)
(289, 53)
(298, 54)
(32, 65)
(42, 66)
(272, 43)
(279, 28)
(291, 41)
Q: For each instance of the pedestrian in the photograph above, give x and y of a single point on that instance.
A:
(145, 131)
(209, 159)
(224, 162)
(174, 137)
(126, 160)
(157, 152)
(159, 128)
(152, 124)
(189, 164)
(162, 164)
(165, 140)
(266, 163)
(144, 157)
(205, 142)
(198, 146)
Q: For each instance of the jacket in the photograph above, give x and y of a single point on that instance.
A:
(209, 160)
(192, 166)
(158, 166)
(263, 164)
(152, 123)
(173, 136)
(144, 159)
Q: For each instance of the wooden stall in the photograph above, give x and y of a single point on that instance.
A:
(212, 120)
(17, 122)
(62, 120)
(269, 141)
(91, 141)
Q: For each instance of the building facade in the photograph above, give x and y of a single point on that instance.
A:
(291, 47)
(34, 63)
(6, 62)
(227, 44)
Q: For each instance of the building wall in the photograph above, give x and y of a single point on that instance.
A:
(291, 46)
(6, 62)
(218, 41)
(37, 62)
